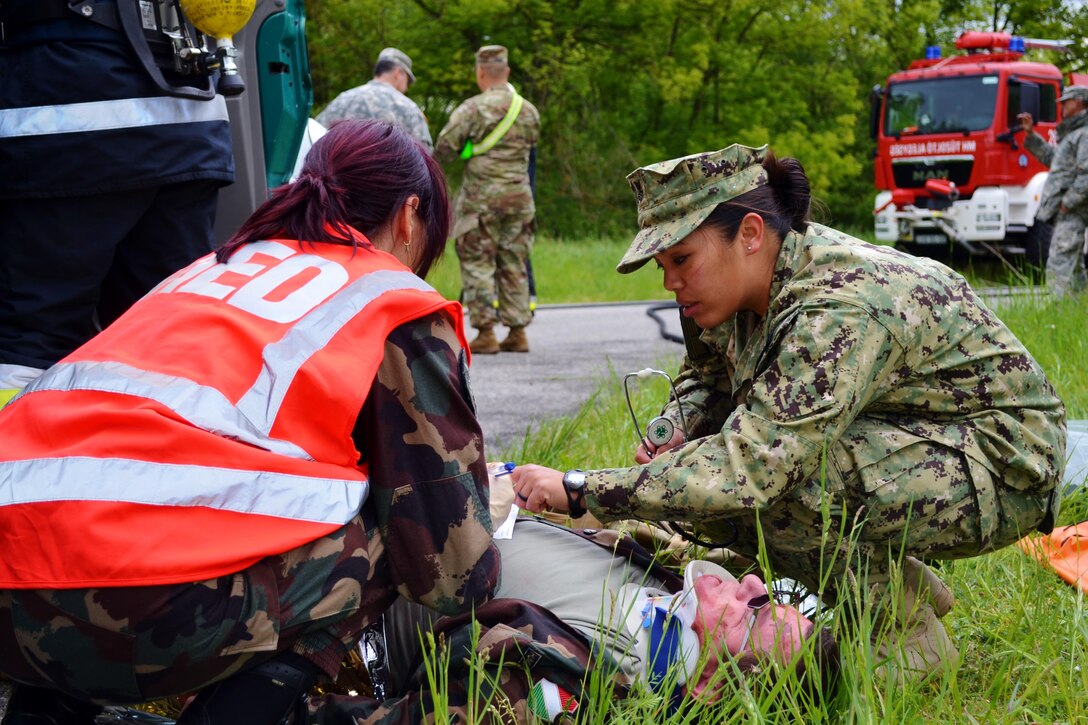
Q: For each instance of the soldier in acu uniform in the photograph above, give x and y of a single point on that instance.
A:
(848, 406)
(494, 132)
(383, 98)
(1065, 194)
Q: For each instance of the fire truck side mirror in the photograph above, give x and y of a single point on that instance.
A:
(875, 98)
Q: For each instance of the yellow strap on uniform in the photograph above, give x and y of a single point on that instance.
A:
(496, 133)
(6, 394)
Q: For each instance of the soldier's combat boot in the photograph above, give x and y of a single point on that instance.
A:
(914, 644)
(928, 585)
(485, 343)
(516, 341)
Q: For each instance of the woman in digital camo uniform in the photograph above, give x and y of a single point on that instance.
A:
(824, 373)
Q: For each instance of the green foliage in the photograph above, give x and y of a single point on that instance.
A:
(623, 83)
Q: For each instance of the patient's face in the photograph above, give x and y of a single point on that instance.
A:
(725, 617)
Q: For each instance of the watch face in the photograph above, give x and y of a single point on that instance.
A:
(574, 479)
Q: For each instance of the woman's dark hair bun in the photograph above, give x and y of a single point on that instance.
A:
(787, 179)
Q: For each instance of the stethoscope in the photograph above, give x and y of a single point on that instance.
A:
(660, 431)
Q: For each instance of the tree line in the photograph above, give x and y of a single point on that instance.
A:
(625, 83)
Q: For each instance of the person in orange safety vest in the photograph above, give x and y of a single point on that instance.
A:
(221, 490)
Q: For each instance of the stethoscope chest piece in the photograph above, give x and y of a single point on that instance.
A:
(660, 430)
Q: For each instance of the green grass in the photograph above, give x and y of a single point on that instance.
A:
(1022, 633)
(581, 271)
(570, 272)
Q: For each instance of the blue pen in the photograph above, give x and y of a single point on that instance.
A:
(507, 467)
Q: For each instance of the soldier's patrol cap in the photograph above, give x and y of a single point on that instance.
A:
(400, 58)
(492, 54)
(1075, 93)
(674, 197)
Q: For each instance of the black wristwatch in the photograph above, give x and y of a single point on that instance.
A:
(574, 483)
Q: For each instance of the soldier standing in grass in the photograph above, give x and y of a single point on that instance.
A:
(850, 410)
(1065, 194)
(383, 98)
(494, 132)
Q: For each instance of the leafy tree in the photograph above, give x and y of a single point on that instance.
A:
(623, 83)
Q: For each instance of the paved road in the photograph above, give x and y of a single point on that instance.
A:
(571, 349)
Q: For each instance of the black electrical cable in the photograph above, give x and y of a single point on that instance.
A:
(652, 311)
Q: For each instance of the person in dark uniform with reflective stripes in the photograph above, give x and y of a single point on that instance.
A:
(108, 178)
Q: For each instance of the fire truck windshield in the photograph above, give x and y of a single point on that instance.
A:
(940, 105)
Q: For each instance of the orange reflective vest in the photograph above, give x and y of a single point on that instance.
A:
(210, 426)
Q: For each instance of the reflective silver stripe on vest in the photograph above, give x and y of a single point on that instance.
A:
(203, 406)
(17, 376)
(283, 358)
(108, 115)
(320, 500)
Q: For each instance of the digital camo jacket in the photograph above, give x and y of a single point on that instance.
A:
(864, 353)
(495, 183)
(380, 101)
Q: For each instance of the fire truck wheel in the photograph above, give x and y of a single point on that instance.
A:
(1037, 245)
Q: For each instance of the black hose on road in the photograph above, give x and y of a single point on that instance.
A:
(653, 311)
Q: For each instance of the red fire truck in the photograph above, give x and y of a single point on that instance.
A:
(950, 162)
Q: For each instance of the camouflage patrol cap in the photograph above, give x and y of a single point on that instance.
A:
(674, 197)
(400, 58)
(492, 54)
(1075, 93)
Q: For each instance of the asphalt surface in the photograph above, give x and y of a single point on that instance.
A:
(572, 350)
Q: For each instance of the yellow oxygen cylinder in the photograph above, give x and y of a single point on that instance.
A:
(221, 19)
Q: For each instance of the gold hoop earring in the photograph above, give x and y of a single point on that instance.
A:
(407, 244)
